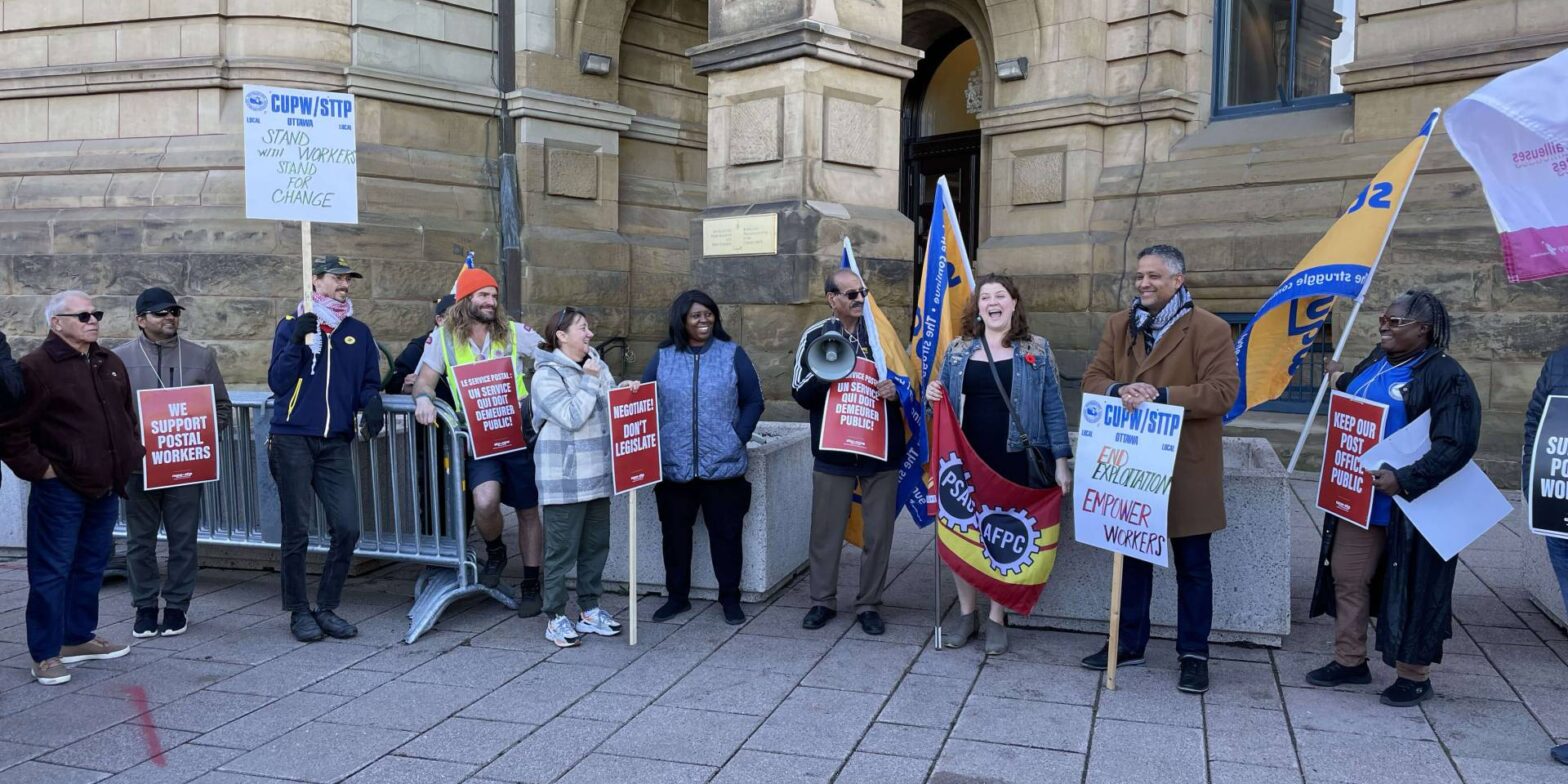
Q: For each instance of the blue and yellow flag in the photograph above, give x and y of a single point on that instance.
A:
(1271, 348)
(946, 284)
(893, 364)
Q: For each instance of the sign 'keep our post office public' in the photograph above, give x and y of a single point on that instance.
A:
(301, 156)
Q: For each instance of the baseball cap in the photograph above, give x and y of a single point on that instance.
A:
(333, 265)
(155, 299)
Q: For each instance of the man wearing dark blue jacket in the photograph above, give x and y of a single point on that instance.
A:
(325, 368)
(1553, 381)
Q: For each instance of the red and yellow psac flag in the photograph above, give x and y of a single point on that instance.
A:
(999, 537)
(1272, 347)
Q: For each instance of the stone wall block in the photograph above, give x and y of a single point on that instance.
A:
(57, 191)
(1550, 294)
(755, 130)
(84, 116)
(162, 8)
(1122, 10)
(81, 45)
(26, 232)
(220, 151)
(108, 231)
(135, 155)
(180, 189)
(194, 230)
(33, 14)
(102, 11)
(573, 173)
(1512, 385)
(24, 120)
(588, 250)
(97, 274)
(224, 188)
(145, 42)
(242, 274)
(605, 288)
(203, 38)
(1039, 176)
(24, 51)
(846, 125)
(229, 318)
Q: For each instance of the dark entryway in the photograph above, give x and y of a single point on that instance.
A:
(941, 136)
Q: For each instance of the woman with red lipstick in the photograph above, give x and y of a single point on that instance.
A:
(1411, 372)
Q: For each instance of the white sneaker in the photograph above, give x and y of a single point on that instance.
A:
(597, 621)
(560, 632)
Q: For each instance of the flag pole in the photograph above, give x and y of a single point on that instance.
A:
(1114, 645)
(1365, 287)
(631, 563)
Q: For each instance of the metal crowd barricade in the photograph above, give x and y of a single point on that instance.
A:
(411, 485)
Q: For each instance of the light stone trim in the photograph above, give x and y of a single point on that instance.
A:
(847, 120)
(1165, 105)
(806, 38)
(662, 131)
(756, 133)
(1039, 176)
(1475, 61)
(571, 172)
(530, 103)
(422, 91)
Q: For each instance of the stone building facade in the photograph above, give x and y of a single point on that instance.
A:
(1237, 129)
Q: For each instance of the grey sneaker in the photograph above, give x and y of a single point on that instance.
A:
(995, 638)
(597, 621)
(561, 632)
(51, 671)
(96, 648)
(958, 630)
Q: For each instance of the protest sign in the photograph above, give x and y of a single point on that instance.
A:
(1548, 490)
(300, 155)
(854, 419)
(487, 395)
(180, 433)
(634, 438)
(1454, 513)
(1122, 478)
(1354, 426)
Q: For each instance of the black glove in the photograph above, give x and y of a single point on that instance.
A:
(304, 326)
(375, 417)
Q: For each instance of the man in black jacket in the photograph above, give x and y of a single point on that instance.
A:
(11, 388)
(406, 367)
(836, 474)
(1553, 381)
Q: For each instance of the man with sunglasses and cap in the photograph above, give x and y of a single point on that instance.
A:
(155, 359)
(325, 369)
(75, 439)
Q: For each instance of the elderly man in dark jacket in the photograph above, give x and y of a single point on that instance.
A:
(75, 439)
(1553, 381)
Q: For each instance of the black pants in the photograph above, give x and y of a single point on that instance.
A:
(723, 503)
(178, 511)
(1194, 598)
(302, 465)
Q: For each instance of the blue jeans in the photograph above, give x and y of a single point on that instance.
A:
(1557, 550)
(69, 539)
(1194, 598)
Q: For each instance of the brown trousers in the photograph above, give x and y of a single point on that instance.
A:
(830, 501)
(1355, 560)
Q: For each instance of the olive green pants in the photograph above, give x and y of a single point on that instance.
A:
(575, 536)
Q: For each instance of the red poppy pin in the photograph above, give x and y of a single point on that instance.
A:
(1030, 359)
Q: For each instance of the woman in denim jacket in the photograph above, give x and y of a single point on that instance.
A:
(1028, 375)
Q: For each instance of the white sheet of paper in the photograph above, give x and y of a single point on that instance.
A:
(1458, 510)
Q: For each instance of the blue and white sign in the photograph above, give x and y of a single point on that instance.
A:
(1122, 478)
(300, 155)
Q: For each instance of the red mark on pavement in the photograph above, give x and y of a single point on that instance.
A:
(138, 697)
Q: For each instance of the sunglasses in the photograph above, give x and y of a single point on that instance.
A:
(1396, 322)
(855, 294)
(84, 317)
(165, 313)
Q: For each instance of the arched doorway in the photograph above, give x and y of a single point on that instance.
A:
(941, 135)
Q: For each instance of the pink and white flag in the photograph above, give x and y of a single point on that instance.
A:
(1514, 132)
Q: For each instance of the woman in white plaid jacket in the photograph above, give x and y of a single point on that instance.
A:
(572, 469)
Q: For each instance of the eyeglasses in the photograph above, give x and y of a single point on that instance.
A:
(1396, 322)
(84, 317)
(855, 294)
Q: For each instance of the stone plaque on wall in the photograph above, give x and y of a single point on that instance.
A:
(1038, 177)
(743, 235)
(849, 132)
(571, 173)
(754, 135)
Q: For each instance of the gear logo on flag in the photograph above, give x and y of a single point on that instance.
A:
(955, 495)
(1009, 539)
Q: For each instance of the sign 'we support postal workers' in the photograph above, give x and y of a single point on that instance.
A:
(180, 434)
(1122, 478)
(301, 155)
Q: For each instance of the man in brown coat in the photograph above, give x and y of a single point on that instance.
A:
(1166, 350)
(75, 439)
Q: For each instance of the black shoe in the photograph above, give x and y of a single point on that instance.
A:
(1405, 693)
(335, 626)
(529, 603)
(871, 622)
(1560, 753)
(173, 623)
(490, 573)
(733, 614)
(1194, 675)
(818, 617)
(1099, 660)
(304, 627)
(671, 608)
(146, 622)
(1335, 674)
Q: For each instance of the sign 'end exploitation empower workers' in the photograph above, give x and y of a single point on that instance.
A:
(300, 155)
(1122, 478)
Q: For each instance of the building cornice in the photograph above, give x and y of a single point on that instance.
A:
(1091, 110)
(530, 103)
(1474, 61)
(805, 38)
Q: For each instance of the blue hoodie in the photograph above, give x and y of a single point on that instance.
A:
(322, 403)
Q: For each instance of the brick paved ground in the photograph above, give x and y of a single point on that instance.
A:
(485, 698)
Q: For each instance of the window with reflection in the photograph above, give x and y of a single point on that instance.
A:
(1281, 54)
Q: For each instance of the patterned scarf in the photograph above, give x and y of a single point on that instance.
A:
(1152, 326)
(329, 314)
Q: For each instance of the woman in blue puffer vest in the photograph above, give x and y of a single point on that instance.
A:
(709, 402)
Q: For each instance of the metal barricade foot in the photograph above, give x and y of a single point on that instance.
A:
(435, 590)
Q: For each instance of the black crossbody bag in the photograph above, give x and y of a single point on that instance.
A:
(1042, 471)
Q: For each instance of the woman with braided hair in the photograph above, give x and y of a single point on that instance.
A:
(1411, 372)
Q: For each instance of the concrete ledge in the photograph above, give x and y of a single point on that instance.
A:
(1251, 563)
(776, 531)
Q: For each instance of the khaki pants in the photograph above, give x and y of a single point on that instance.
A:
(1355, 560)
(830, 501)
